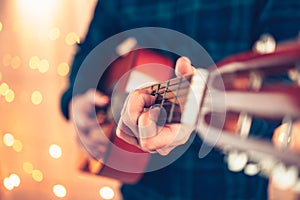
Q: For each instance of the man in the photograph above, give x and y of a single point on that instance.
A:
(222, 28)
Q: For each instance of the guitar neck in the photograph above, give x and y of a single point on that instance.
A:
(180, 98)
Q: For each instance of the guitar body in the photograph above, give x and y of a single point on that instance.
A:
(123, 161)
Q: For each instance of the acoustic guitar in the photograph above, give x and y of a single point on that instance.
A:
(247, 82)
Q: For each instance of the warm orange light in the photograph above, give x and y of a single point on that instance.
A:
(28, 167)
(37, 11)
(4, 88)
(10, 96)
(36, 97)
(63, 69)
(72, 38)
(0, 76)
(17, 146)
(37, 175)
(43, 66)
(1, 26)
(34, 62)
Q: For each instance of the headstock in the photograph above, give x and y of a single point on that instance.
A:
(261, 84)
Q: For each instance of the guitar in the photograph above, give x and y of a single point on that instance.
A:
(240, 80)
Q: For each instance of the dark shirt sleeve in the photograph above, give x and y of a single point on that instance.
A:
(98, 30)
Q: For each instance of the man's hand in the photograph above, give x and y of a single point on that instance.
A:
(85, 122)
(139, 127)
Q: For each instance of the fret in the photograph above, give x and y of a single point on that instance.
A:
(164, 95)
(170, 118)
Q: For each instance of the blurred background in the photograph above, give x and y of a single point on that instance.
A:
(38, 152)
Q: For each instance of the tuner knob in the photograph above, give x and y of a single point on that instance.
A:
(284, 177)
(294, 74)
(265, 44)
(251, 169)
(237, 161)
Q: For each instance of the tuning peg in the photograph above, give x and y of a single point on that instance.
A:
(282, 135)
(251, 169)
(284, 177)
(244, 124)
(294, 74)
(237, 161)
(265, 44)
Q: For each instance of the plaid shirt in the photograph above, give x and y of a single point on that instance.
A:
(222, 27)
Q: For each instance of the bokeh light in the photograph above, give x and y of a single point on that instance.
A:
(37, 175)
(1, 26)
(7, 183)
(72, 38)
(8, 139)
(106, 193)
(10, 96)
(36, 97)
(43, 66)
(17, 146)
(28, 167)
(59, 190)
(15, 180)
(4, 88)
(34, 62)
(55, 151)
(54, 33)
(63, 69)
(15, 62)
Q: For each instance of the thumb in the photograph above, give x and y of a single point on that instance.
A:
(183, 66)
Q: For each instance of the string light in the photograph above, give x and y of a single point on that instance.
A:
(63, 69)
(37, 175)
(1, 26)
(15, 180)
(72, 38)
(106, 193)
(10, 96)
(36, 97)
(43, 66)
(34, 62)
(8, 184)
(4, 89)
(11, 182)
(17, 146)
(28, 167)
(55, 151)
(8, 139)
(59, 190)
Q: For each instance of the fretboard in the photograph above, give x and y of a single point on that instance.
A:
(179, 97)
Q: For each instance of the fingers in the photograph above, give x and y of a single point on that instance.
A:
(183, 66)
(133, 108)
(139, 127)
(82, 107)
